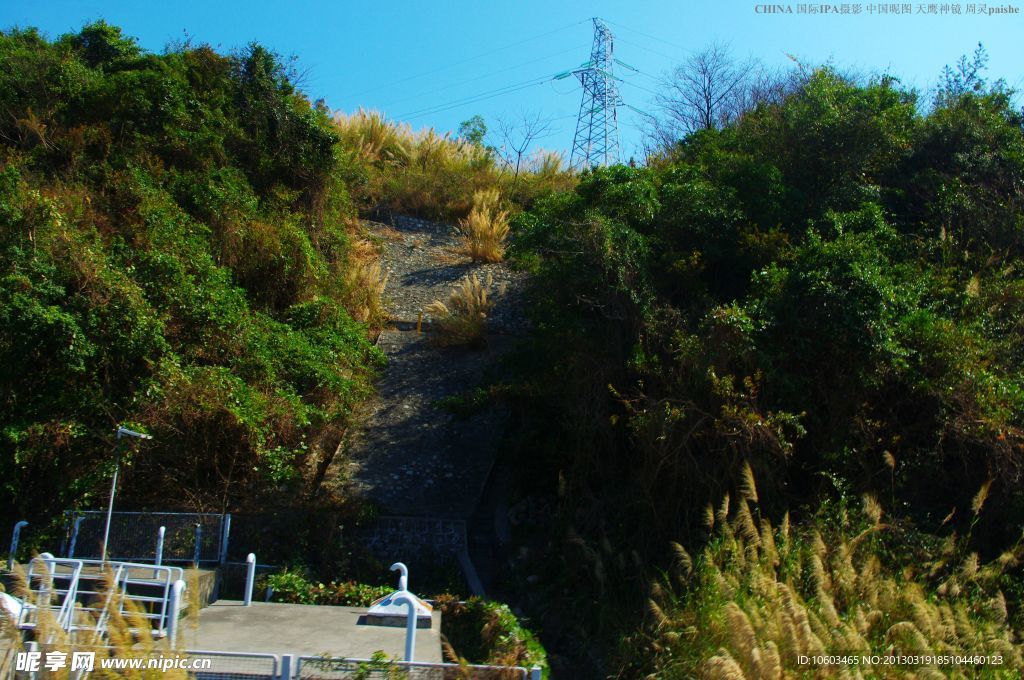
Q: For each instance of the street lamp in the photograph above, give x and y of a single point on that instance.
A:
(122, 432)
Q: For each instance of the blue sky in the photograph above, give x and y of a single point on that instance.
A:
(431, 62)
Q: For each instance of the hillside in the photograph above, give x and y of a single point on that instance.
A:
(759, 398)
(177, 254)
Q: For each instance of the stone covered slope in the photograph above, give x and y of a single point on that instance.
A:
(413, 458)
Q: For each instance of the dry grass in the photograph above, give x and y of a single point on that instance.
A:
(762, 596)
(122, 640)
(462, 320)
(365, 283)
(485, 229)
(436, 175)
(373, 137)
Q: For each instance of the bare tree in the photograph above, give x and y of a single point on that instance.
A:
(517, 135)
(704, 91)
(712, 89)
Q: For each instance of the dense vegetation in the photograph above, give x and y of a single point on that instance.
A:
(823, 294)
(176, 253)
(826, 292)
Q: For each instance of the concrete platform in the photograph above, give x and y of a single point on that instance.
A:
(304, 630)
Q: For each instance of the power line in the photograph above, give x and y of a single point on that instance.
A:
(472, 99)
(648, 49)
(639, 87)
(466, 60)
(648, 35)
(489, 75)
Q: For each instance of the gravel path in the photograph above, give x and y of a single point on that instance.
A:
(413, 458)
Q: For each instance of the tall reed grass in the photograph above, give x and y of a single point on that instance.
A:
(462, 320)
(436, 175)
(485, 230)
(760, 597)
(127, 635)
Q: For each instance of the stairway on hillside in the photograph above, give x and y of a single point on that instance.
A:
(414, 460)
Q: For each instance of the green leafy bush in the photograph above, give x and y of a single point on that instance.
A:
(821, 292)
(175, 243)
(486, 632)
(293, 586)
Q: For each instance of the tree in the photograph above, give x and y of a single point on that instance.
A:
(473, 130)
(707, 90)
(518, 135)
(965, 78)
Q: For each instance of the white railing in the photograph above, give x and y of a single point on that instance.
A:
(81, 594)
(320, 668)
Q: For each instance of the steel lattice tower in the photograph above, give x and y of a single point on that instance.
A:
(597, 129)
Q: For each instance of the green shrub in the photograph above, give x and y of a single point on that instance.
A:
(292, 586)
(485, 632)
(176, 246)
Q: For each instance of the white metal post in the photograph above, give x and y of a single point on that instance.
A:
(410, 623)
(535, 673)
(113, 490)
(160, 546)
(199, 544)
(175, 606)
(225, 535)
(14, 543)
(403, 580)
(250, 577)
(122, 432)
(74, 535)
(43, 600)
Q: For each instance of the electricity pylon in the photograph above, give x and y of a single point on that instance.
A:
(597, 129)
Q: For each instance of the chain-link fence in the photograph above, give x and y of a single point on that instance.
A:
(319, 668)
(233, 577)
(188, 537)
(233, 666)
(217, 665)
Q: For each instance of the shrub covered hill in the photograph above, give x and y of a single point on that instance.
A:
(772, 401)
(176, 253)
(825, 297)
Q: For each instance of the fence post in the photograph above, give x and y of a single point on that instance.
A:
(403, 579)
(160, 545)
(74, 534)
(199, 544)
(410, 622)
(225, 533)
(14, 543)
(175, 605)
(250, 577)
(32, 648)
(45, 588)
(287, 666)
(68, 516)
(535, 673)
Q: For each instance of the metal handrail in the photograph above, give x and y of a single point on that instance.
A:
(163, 578)
(42, 570)
(303, 660)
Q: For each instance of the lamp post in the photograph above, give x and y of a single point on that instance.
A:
(122, 432)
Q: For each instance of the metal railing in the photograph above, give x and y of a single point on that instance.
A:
(51, 584)
(131, 581)
(80, 595)
(219, 665)
(320, 668)
(238, 666)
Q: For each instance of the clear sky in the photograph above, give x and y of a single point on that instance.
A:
(438, 63)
